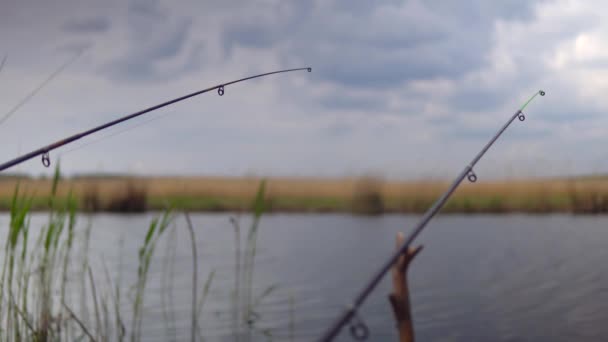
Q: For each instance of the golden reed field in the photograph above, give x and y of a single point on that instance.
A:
(358, 195)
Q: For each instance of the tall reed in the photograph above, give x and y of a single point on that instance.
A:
(146, 251)
(47, 275)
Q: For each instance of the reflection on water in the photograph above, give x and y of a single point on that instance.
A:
(498, 278)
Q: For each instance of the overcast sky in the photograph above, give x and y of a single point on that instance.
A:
(401, 89)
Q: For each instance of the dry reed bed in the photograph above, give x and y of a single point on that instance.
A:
(364, 195)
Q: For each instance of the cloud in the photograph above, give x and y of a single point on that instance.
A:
(87, 25)
(158, 47)
(431, 80)
(352, 102)
(144, 61)
(384, 44)
(338, 130)
(250, 34)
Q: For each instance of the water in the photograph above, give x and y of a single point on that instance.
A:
(498, 278)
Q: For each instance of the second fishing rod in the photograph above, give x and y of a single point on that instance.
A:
(44, 151)
(358, 329)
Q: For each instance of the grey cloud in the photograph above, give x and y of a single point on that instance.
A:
(530, 69)
(594, 63)
(359, 6)
(146, 8)
(264, 27)
(380, 69)
(462, 132)
(337, 130)
(559, 107)
(530, 74)
(565, 111)
(481, 11)
(364, 44)
(348, 102)
(133, 69)
(155, 36)
(87, 25)
(381, 49)
(250, 35)
(76, 47)
(478, 98)
(129, 69)
(168, 45)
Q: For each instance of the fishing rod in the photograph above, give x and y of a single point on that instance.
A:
(44, 151)
(358, 330)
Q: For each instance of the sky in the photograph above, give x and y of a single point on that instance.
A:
(400, 89)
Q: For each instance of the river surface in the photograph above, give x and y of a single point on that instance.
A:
(479, 278)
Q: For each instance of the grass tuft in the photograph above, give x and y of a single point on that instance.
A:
(47, 275)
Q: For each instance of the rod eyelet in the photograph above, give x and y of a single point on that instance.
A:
(472, 177)
(521, 116)
(46, 159)
(359, 331)
(220, 90)
(309, 69)
(541, 92)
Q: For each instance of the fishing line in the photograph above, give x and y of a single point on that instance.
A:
(113, 134)
(358, 329)
(44, 151)
(33, 93)
(540, 92)
(2, 63)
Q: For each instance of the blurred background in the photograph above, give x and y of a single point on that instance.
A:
(402, 95)
(403, 89)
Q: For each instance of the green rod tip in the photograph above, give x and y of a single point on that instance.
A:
(541, 92)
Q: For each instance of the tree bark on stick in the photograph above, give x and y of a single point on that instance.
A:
(400, 298)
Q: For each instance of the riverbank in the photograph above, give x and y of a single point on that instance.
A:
(349, 195)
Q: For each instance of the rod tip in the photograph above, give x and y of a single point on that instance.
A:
(541, 92)
(309, 69)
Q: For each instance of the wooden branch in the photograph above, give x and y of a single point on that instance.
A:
(400, 298)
